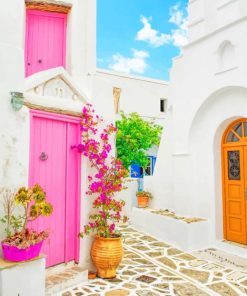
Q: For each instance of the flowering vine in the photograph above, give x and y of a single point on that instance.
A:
(108, 177)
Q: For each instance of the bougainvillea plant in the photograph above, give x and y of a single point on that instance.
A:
(108, 175)
(34, 204)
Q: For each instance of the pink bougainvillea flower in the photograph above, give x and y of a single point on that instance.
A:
(108, 177)
(112, 227)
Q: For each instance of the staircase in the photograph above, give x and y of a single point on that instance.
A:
(61, 277)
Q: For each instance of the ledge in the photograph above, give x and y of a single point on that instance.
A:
(8, 264)
(187, 236)
(225, 3)
(196, 21)
(26, 278)
(51, 6)
(170, 214)
(226, 70)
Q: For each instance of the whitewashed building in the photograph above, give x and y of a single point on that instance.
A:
(48, 72)
(201, 168)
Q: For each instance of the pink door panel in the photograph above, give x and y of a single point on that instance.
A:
(56, 167)
(72, 189)
(45, 40)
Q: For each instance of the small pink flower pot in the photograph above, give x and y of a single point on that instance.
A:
(12, 253)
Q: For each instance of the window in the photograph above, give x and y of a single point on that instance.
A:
(148, 169)
(237, 132)
(233, 165)
(139, 172)
(163, 103)
(45, 40)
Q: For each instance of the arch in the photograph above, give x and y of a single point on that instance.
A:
(234, 177)
(236, 133)
(215, 115)
(212, 99)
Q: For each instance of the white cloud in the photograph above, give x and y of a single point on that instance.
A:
(179, 36)
(176, 15)
(150, 35)
(135, 64)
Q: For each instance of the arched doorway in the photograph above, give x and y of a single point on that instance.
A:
(234, 178)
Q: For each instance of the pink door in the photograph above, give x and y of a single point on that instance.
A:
(45, 40)
(56, 167)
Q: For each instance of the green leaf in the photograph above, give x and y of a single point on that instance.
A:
(135, 137)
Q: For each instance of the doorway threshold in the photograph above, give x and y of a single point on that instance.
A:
(225, 254)
(233, 248)
(235, 244)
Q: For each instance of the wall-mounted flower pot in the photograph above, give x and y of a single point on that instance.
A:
(13, 253)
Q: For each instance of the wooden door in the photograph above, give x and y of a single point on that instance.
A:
(45, 41)
(56, 167)
(234, 194)
(235, 183)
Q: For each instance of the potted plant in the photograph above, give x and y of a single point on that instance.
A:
(21, 242)
(143, 198)
(107, 179)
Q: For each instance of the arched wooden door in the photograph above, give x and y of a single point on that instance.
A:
(234, 176)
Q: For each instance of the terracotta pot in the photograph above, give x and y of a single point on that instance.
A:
(91, 275)
(142, 201)
(107, 253)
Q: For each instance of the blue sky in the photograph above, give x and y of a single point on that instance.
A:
(140, 37)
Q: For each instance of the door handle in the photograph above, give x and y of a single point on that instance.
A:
(39, 61)
(245, 192)
(43, 156)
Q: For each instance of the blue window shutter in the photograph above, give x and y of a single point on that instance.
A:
(135, 171)
(153, 164)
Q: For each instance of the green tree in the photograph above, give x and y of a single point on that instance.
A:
(135, 137)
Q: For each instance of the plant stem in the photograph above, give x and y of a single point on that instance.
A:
(26, 219)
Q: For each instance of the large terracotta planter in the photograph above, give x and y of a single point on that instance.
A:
(142, 201)
(107, 253)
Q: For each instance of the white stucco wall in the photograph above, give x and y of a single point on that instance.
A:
(15, 126)
(80, 61)
(138, 94)
(26, 278)
(207, 92)
(12, 79)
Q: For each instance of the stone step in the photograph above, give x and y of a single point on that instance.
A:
(63, 278)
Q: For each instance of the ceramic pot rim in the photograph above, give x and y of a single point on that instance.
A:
(108, 238)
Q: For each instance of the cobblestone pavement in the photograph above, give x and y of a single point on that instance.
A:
(151, 267)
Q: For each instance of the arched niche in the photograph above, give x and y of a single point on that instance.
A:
(226, 56)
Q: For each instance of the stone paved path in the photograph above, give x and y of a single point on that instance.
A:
(151, 267)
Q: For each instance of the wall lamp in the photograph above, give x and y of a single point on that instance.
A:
(17, 100)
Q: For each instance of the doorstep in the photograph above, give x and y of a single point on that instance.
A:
(225, 254)
(64, 276)
(232, 247)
